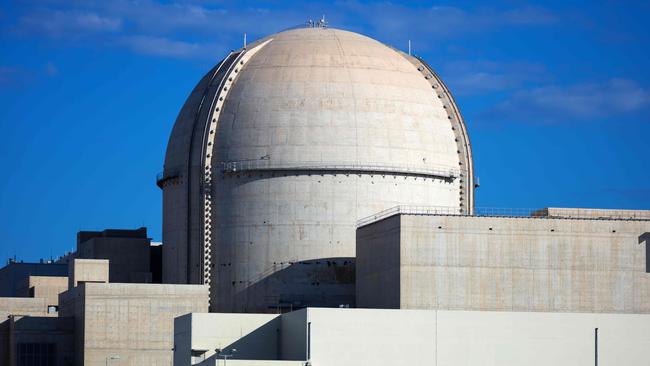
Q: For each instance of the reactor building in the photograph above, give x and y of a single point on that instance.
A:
(283, 146)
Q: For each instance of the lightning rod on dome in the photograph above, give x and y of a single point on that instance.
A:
(409, 47)
(244, 40)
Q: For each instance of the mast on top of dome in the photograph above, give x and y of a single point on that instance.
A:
(321, 23)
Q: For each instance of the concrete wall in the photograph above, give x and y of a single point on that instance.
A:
(87, 270)
(372, 337)
(132, 321)
(128, 252)
(495, 338)
(378, 264)
(456, 338)
(13, 274)
(27, 330)
(22, 306)
(16, 307)
(294, 335)
(520, 264)
(378, 337)
(72, 304)
(47, 287)
(254, 336)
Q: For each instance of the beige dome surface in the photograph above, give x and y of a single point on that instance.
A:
(328, 95)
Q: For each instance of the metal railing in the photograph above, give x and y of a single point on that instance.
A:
(267, 164)
(545, 213)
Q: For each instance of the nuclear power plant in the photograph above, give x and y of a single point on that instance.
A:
(319, 209)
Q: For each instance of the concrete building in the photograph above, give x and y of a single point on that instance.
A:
(97, 320)
(37, 296)
(22, 306)
(132, 322)
(46, 287)
(14, 274)
(34, 340)
(283, 145)
(413, 337)
(558, 260)
(31, 333)
(87, 271)
(129, 252)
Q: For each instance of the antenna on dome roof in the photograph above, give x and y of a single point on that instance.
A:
(409, 47)
(322, 23)
(244, 40)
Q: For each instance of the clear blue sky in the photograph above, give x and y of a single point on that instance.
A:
(556, 96)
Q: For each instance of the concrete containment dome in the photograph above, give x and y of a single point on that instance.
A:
(283, 146)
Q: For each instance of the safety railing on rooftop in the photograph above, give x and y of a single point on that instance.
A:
(548, 213)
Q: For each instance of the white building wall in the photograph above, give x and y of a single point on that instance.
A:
(372, 337)
(377, 337)
(209, 332)
(466, 338)
(509, 338)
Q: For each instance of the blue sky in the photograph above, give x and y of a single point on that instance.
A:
(556, 96)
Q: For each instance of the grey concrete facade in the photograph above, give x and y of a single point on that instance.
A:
(412, 261)
(22, 306)
(24, 322)
(283, 146)
(131, 321)
(87, 270)
(344, 337)
(34, 340)
(47, 287)
(129, 253)
(97, 321)
(13, 275)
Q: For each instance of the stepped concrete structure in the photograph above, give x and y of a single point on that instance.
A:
(47, 287)
(556, 260)
(283, 146)
(129, 252)
(130, 320)
(14, 275)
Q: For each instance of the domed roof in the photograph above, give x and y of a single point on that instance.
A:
(329, 95)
